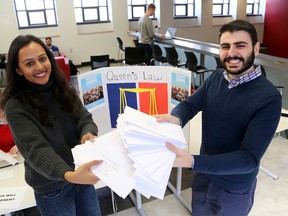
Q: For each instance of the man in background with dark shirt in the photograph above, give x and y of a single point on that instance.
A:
(48, 41)
(240, 113)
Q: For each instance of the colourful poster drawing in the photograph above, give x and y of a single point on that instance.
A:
(161, 91)
(179, 87)
(114, 99)
(92, 91)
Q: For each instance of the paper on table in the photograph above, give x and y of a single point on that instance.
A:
(116, 170)
(7, 157)
(12, 197)
(6, 174)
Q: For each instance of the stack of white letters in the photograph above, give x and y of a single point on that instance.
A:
(134, 155)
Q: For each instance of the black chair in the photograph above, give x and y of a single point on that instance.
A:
(99, 61)
(172, 57)
(136, 42)
(218, 62)
(157, 55)
(192, 65)
(121, 48)
(280, 88)
(2, 61)
(134, 56)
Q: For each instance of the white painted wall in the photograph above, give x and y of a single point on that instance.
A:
(78, 43)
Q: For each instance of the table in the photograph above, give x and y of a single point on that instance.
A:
(283, 123)
(28, 201)
(204, 48)
(196, 131)
(16, 181)
(282, 126)
(193, 45)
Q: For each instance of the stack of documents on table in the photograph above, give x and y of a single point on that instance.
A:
(134, 155)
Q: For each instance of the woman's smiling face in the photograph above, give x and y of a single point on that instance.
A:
(34, 64)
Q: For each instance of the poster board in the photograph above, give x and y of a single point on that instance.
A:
(100, 94)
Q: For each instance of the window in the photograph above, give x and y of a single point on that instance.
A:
(252, 7)
(91, 11)
(136, 8)
(35, 13)
(184, 8)
(221, 7)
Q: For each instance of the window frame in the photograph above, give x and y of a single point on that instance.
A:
(253, 7)
(222, 8)
(134, 18)
(92, 21)
(28, 11)
(186, 10)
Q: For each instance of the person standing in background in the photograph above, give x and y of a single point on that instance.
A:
(47, 120)
(147, 32)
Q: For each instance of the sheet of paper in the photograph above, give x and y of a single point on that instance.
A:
(116, 170)
(146, 159)
(6, 174)
(12, 197)
(145, 186)
(7, 157)
(134, 155)
(149, 123)
(138, 130)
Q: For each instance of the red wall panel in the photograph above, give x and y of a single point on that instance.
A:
(276, 28)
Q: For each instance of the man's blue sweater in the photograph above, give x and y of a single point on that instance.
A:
(237, 127)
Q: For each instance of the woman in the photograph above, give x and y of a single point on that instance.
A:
(47, 119)
(7, 143)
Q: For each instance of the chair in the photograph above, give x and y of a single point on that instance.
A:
(99, 61)
(134, 56)
(63, 64)
(2, 61)
(263, 169)
(218, 62)
(172, 57)
(121, 48)
(192, 65)
(280, 88)
(157, 54)
(136, 42)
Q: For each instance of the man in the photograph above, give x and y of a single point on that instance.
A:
(147, 32)
(48, 41)
(240, 113)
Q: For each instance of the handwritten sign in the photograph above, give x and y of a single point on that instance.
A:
(126, 75)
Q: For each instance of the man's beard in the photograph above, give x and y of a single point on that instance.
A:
(246, 64)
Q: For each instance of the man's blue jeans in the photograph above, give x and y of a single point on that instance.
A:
(71, 200)
(209, 199)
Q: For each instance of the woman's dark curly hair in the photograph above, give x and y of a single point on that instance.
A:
(17, 86)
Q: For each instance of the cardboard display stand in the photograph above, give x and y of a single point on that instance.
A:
(100, 91)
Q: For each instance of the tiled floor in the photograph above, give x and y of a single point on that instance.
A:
(271, 198)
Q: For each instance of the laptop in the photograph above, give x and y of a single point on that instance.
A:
(170, 33)
(56, 53)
